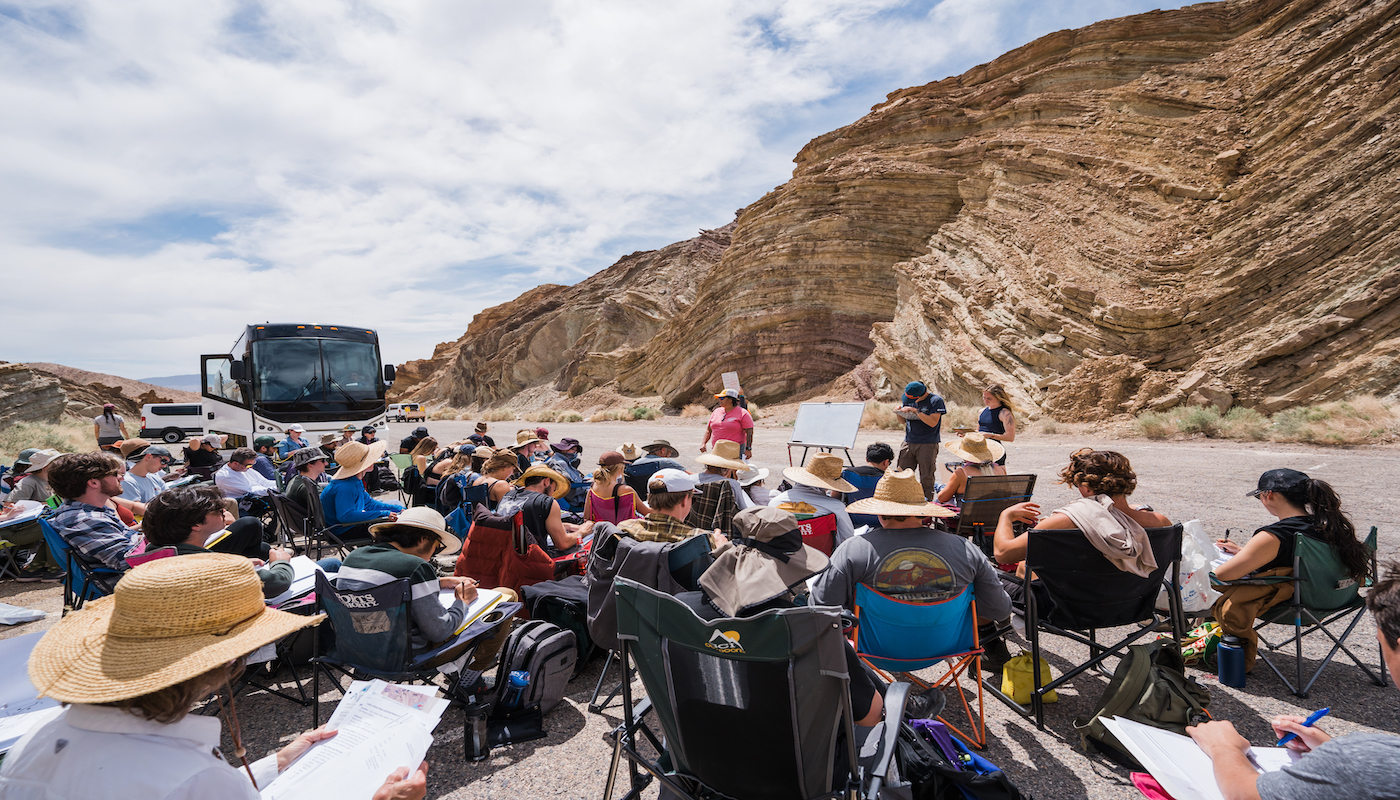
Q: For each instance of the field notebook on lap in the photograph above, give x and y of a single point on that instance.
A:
(1181, 766)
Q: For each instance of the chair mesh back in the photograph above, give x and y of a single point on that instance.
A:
(318, 512)
(1087, 589)
(750, 707)
(986, 496)
(79, 569)
(293, 516)
(371, 625)
(902, 636)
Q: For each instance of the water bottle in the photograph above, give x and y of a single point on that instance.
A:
(516, 690)
(478, 741)
(1229, 659)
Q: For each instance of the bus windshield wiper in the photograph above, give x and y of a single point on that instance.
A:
(304, 389)
(333, 382)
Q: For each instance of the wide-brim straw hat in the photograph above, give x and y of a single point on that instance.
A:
(484, 452)
(742, 577)
(427, 519)
(976, 448)
(823, 471)
(523, 438)
(561, 483)
(899, 494)
(169, 620)
(355, 456)
(725, 454)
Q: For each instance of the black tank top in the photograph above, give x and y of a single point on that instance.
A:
(990, 421)
(1286, 531)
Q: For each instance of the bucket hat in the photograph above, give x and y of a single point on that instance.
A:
(899, 494)
(725, 454)
(306, 455)
(976, 448)
(566, 444)
(169, 620)
(561, 483)
(354, 456)
(766, 560)
(328, 439)
(426, 519)
(823, 471)
(41, 459)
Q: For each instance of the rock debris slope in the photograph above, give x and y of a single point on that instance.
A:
(1183, 206)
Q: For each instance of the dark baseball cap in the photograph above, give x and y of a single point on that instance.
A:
(1280, 480)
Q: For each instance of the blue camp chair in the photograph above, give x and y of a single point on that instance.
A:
(899, 636)
(865, 487)
(79, 585)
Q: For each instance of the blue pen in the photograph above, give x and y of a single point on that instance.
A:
(1307, 723)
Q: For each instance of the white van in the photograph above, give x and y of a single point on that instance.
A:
(407, 412)
(172, 422)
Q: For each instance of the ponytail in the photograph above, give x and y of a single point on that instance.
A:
(1320, 500)
(109, 414)
(605, 476)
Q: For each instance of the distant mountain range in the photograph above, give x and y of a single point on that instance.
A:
(185, 383)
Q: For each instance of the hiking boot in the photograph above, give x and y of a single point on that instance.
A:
(46, 575)
(995, 653)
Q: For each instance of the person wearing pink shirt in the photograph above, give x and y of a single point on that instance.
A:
(729, 422)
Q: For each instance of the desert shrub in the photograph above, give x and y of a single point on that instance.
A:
(1150, 424)
(67, 436)
(496, 415)
(1204, 420)
(547, 415)
(572, 416)
(1360, 420)
(881, 415)
(446, 412)
(1048, 427)
(643, 412)
(756, 411)
(694, 410)
(1245, 423)
(1299, 424)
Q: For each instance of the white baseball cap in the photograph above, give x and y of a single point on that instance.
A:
(677, 480)
(296, 427)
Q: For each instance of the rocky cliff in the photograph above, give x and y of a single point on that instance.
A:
(1183, 206)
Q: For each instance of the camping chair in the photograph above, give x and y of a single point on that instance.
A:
(819, 532)
(895, 635)
(331, 535)
(371, 630)
(984, 498)
(714, 506)
(1323, 593)
(151, 555)
(79, 585)
(1087, 592)
(686, 561)
(865, 487)
(401, 462)
(9, 565)
(295, 519)
(779, 677)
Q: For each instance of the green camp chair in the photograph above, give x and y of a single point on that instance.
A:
(1323, 593)
(401, 462)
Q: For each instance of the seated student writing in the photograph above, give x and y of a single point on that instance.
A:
(1360, 765)
(1301, 505)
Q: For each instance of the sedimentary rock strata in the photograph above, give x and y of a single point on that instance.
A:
(1183, 206)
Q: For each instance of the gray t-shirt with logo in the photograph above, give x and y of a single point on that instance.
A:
(1362, 765)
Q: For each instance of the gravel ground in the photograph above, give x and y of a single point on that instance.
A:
(1203, 480)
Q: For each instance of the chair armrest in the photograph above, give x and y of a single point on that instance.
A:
(1214, 581)
(895, 696)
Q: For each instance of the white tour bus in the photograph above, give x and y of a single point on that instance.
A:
(321, 376)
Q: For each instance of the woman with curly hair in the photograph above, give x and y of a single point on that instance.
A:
(998, 420)
(1301, 505)
(1104, 480)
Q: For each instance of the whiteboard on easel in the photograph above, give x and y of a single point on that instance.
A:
(827, 424)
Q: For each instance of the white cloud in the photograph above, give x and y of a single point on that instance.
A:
(360, 157)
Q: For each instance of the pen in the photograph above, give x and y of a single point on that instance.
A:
(1307, 723)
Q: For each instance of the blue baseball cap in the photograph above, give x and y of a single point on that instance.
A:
(915, 389)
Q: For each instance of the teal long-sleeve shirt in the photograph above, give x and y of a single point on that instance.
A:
(346, 501)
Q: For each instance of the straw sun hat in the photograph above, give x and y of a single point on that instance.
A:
(823, 472)
(976, 448)
(561, 483)
(725, 454)
(354, 456)
(426, 519)
(524, 437)
(169, 620)
(899, 494)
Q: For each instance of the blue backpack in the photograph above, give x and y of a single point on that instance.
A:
(459, 520)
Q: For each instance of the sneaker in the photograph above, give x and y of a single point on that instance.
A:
(927, 704)
(46, 575)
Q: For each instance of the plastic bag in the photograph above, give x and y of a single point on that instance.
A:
(1017, 677)
(1198, 552)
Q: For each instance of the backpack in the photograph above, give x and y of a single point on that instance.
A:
(1149, 686)
(925, 764)
(549, 654)
(498, 551)
(411, 479)
(563, 603)
(387, 482)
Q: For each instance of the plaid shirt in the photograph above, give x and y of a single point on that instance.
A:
(657, 528)
(97, 535)
(714, 507)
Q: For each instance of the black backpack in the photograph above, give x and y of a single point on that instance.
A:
(932, 776)
(548, 653)
(564, 603)
(1149, 686)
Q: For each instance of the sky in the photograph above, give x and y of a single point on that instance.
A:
(171, 172)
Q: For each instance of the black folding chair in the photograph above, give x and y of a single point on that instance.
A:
(333, 536)
(1087, 592)
(778, 678)
(984, 498)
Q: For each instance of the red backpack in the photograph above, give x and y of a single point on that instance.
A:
(499, 552)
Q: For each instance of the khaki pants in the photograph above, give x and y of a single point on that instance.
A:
(925, 458)
(1239, 606)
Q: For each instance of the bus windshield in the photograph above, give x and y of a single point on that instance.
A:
(308, 374)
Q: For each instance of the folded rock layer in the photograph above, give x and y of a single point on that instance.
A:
(1181, 206)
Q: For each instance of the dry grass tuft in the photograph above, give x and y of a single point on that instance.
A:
(496, 415)
(881, 415)
(1360, 420)
(66, 436)
(694, 410)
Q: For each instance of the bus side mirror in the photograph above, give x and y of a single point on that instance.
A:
(389, 373)
(235, 370)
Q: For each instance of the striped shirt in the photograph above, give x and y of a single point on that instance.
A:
(379, 564)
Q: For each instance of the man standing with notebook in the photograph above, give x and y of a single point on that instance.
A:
(1360, 765)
